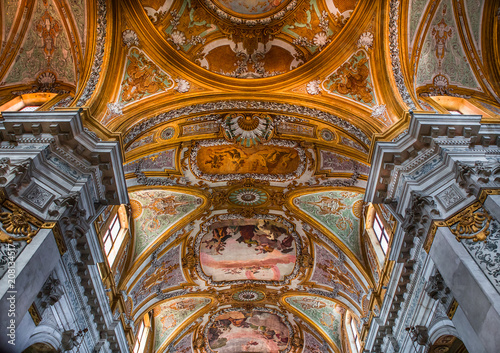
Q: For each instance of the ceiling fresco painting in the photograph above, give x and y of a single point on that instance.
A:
(160, 161)
(78, 12)
(222, 160)
(258, 330)
(335, 163)
(438, 64)
(312, 344)
(332, 272)
(46, 50)
(233, 249)
(338, 211)
(164, 273)
(171, 315)
(10, 8)
(325, 313)
(248, 249)
(352, 80)
(142, 78)
(184, 345)
(155, 211)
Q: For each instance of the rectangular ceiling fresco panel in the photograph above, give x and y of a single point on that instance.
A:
(255, 250)
(154, 162)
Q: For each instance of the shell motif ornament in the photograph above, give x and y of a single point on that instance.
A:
(248, 129)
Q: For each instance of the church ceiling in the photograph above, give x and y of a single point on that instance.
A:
(249, 39)
(246, 129)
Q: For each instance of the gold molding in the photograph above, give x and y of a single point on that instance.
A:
(458, 216)
(35, 315)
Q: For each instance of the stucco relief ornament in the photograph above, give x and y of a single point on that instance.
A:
(183, 86)
(130, 38)
(365, 41)
(248, 130)
(115, 109)
(178, 38)
(313, 87)
(378, 111)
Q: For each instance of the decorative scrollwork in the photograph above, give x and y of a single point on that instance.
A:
(16, 223)
(472, 225)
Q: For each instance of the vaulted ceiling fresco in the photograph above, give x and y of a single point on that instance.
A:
(246, 129)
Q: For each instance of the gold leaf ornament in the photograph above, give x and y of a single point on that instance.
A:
(16, 223)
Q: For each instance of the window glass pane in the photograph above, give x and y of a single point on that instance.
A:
(115, 228)
(107, 245)
(29, 108)
(377, 229)
(116, 247)
(384, 245)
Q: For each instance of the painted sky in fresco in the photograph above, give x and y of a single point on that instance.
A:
(258, 250)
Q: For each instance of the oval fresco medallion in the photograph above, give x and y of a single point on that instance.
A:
(221, 160)
(248, 295)
(239, 250)
(248, 197)
(258, 330)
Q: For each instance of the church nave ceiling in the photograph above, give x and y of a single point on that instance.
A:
(247, 130)
(248, 217)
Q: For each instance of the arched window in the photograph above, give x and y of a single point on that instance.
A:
(142, 335)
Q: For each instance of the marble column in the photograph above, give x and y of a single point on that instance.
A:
(478, 317)
(31, 268)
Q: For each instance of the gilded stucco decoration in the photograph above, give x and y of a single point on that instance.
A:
(248, 130)
(249, 40)
(142, 78)
(247, 154)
